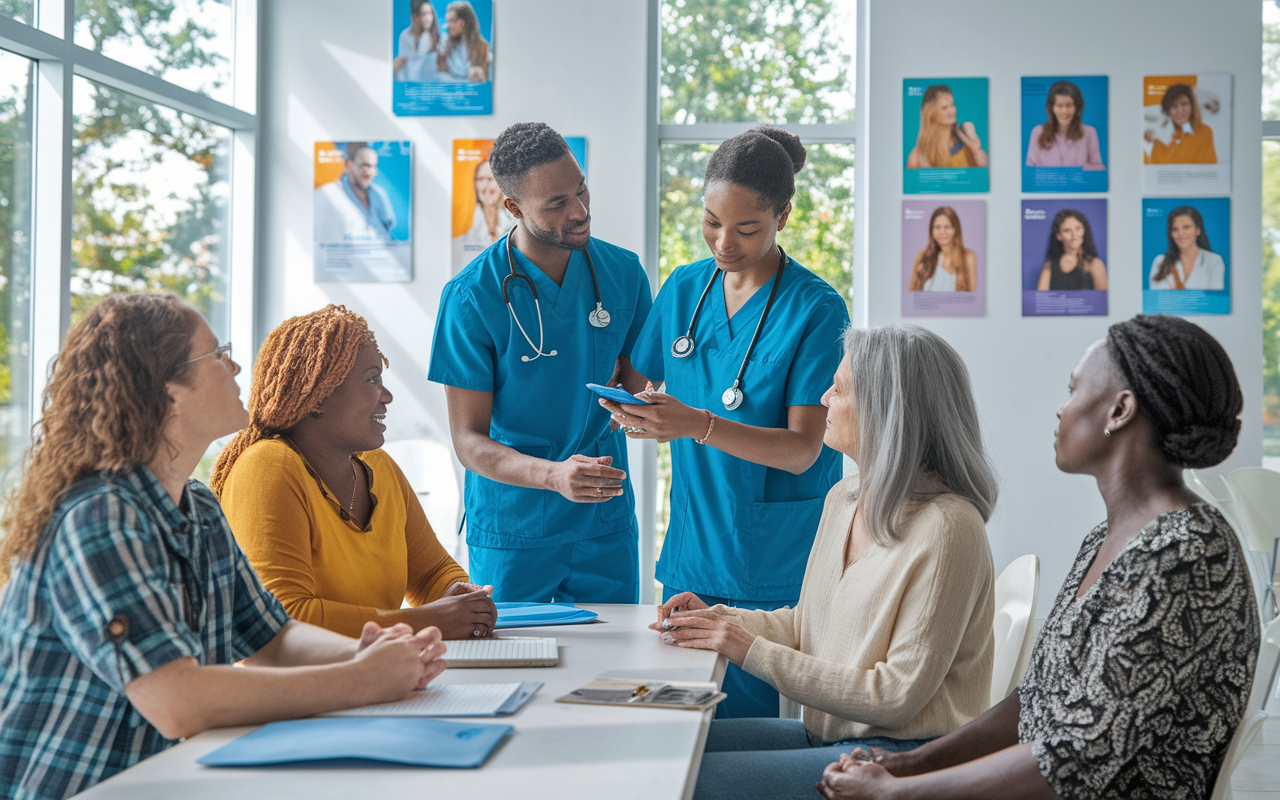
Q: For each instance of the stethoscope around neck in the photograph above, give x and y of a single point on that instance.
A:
(598, 317)
(683, 346)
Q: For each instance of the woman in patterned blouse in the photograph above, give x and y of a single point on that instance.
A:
(1140, 675)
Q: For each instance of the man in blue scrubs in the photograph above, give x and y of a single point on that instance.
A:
(550, 510)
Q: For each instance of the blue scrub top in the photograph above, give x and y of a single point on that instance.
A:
(738, 529)
(541, 407)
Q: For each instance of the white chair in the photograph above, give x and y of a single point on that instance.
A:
(1257, 494)
(1254, 716)
(428, 465)
(1016, 591)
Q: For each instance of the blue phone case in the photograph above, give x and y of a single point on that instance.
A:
(616, 395)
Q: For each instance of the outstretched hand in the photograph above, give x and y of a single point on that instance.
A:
(663, 417)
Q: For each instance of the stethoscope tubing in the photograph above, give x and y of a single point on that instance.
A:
(598, 313)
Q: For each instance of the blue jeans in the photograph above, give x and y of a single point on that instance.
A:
(772, 759)
(749, 696)
(605, 569)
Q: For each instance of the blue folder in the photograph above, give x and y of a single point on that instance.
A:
(399, 740)
(523, 615)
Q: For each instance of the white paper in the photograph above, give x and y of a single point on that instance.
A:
(511, 648)
(448, 700)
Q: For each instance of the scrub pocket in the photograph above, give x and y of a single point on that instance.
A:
(506, 511)
(669, 558)
(780, 539)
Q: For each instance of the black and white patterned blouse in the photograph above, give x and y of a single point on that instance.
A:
(1134, 690)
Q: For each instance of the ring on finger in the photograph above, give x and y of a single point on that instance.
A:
(477, 632)
(599, 492)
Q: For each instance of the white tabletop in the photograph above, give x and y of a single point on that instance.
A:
(557, 750)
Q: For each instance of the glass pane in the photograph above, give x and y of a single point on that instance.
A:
(16, 91)
(1271, 304)
(1270, 61)
(757, 61)
(21, 10)
(819, 234)
(186, 42)
(150, 203)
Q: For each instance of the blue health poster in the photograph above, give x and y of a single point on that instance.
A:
(1064, 134)
(944, 136)
(442, 61)
(1186, 255)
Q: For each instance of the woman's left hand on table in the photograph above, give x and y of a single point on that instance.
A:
(663, 418)
(706, 630)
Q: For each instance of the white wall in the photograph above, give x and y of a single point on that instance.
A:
(577, 65)
(1020, 365)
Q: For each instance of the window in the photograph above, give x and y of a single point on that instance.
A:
(1271, 235)
(725, 65)
(140, 111)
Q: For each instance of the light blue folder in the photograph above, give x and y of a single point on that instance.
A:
(527, 615)
(399, 740)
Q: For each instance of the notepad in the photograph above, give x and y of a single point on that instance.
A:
(452, 700)
(418, 742)
(502, 651)
(518, 615)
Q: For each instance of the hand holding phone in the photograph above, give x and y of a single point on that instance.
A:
(616, 394)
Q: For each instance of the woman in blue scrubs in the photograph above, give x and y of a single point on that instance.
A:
(746, 343)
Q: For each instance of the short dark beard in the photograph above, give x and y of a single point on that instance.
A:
(552, 238)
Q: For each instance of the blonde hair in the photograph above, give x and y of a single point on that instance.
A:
(302, 361)
(933, 142)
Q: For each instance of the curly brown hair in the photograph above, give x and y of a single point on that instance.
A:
(300, 364)
(104, 408)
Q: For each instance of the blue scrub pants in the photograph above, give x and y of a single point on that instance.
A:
(605, 569)
(772, 759)
(749, 696)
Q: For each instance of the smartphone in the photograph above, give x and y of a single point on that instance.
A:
(616, 395)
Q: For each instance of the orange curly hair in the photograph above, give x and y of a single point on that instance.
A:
(300, 364)
(104, 408)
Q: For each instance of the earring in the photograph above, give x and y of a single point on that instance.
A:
(1105, 431)
(317, 414)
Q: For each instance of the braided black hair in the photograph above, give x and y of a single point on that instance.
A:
(1185, 386)
(763, 159)
(519, 149)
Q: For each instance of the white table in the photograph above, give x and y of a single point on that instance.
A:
(557, 750)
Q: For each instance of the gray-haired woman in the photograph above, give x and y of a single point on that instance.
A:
(890, 643)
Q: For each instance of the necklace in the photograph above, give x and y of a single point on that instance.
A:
(355, 483)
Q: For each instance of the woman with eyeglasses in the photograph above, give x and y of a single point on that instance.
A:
(326, 517)
(128, 603)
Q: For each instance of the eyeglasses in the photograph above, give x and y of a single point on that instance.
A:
(223, 352)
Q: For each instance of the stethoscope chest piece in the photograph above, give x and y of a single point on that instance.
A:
(598, 317)
(732, 397)
(682, 347)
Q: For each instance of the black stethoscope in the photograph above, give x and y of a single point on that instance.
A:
(598, 317)
(683, 346)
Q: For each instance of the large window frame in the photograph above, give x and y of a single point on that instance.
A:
(644, 468)
(50, 43)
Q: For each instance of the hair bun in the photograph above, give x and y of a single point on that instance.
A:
(789, 141)
(1201, 446)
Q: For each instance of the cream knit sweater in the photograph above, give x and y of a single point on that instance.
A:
(898, 645)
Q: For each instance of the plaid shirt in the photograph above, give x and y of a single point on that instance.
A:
(116, 545)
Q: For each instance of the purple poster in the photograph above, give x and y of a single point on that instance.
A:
(944, 258)
(1064, 258)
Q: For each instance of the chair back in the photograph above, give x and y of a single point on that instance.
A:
(1016, 590)
(1257, 494)
(428, 466)
(1264, 678)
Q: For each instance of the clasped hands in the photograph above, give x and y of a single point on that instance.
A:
(406, 659)
(856, 776)
(664, 418)
(686, 621)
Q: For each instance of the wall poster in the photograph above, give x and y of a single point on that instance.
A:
(944, 135)
(1064, 134)
(442, 57)
(1186, 255)
(479, 217)
(944, 258)
(1186, 134)
(363, 208)
(1064, 257)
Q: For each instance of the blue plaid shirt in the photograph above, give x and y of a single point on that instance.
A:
(117, 545)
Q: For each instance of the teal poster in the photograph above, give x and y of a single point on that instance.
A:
(944, 136)
(1186, 255)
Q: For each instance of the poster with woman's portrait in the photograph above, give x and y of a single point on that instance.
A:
(1064, 134)
(944, 258)
(1186, 134)
(1186, 255)
(442, 57)
(944, 135)
(1064, 257)
(480, 217)
(363, 212)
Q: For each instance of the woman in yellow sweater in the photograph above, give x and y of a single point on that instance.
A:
(891, 641)
(326, 518)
